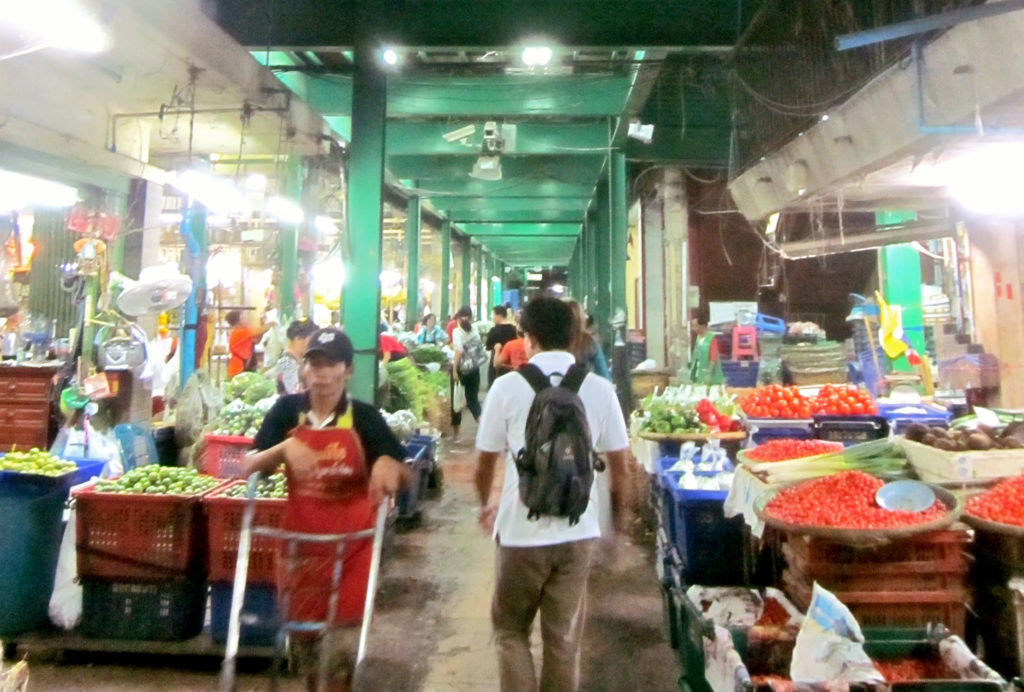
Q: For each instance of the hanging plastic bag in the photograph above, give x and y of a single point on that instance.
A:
(458, 397)
(66, 602)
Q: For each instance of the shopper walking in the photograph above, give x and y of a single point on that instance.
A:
(501, 333)
(543, 563)
(469, 358)
(341, 459)
(586, 344)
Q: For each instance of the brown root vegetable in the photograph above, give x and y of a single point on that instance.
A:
(940, 432)
(929, 439)
(944, 444)
(979, 441)
(916, 432)
(1012, 443)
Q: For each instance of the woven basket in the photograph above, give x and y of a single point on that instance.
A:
(808, 376)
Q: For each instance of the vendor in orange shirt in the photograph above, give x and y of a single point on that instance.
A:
(510, 356)
(242, 343)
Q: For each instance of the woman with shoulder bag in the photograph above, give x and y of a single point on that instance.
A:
(470, 356)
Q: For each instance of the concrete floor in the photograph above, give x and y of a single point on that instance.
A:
(431, 630)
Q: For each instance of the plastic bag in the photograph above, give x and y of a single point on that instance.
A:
(66, 601)
(458, 397)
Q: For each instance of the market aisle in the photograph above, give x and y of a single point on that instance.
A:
(432, 629)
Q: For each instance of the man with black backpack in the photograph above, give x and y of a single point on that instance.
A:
(551, 419)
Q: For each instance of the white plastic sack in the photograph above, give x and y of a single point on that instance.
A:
(66, 602)
(458, 398)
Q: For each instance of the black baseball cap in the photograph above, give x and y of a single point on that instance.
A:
(333, 343)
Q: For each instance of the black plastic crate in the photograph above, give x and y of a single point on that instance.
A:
(168, 611)
(259, 619)
(850, 430)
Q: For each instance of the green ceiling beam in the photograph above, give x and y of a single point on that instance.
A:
(505, 95)
(427, 137)
(309, 24)
(707, 146)
(483, 230)
(426, 169)
(523, 188)
(463, 206)
(525, 215)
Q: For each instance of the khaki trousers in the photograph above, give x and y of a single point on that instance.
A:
(553, 580)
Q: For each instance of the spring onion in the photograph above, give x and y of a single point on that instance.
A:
(875, 457)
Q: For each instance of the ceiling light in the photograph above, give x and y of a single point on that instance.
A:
(824, 117)
(170, 217)
(325, 225)
(773, 224)
(486, 168)
(537, 56)
(461, 133)
(284, 210)
(389, 56)
(257, 182)
(18, 191)
(62, 24)
(216, 194)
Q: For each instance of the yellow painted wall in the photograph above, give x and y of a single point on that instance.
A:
(634, 269)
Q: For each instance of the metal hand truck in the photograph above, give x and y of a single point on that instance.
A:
(292, 539)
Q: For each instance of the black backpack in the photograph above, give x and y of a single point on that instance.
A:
(556, 467)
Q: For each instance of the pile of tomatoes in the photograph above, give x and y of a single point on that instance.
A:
(776, 401)
(1003, 503)
(914, 669)
(843, 400)
(788, 448)
(843, 500)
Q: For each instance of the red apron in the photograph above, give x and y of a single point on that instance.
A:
(333, 499)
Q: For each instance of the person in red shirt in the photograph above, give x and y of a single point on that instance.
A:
(450, 327)
(391, 349)
(510, 356)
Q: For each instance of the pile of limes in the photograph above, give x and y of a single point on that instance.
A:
(36, 461)
(160, 480)
(274, 486)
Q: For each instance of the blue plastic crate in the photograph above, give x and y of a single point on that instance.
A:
(408, 500)
(259, 621)
(900, 416)
(764, 429)
(87, 468)
(740, 373)
(709, 545)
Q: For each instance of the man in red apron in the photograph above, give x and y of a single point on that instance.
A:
(341, 460)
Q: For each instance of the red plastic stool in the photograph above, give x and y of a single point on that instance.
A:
(744, 342)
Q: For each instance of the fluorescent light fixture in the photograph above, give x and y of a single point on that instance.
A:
(390, 278)
(170, 217)
(461, 133)
(988, 179)
(215, 157)
(389, 56)
(773, 224)
(329, 276)
(62, 24)
(284, 210)
(487, 168)
(256, 182)
(216, 194)
(537, 56)
(325, 225)
(18, 191)
(824, 117)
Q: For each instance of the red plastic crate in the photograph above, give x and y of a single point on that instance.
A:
(138, 536)
(225, 455)
(224, 524)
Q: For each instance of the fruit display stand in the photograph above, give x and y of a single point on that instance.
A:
(941, 466)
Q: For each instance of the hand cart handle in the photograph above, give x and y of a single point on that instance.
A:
(227, 673)
(371, 585)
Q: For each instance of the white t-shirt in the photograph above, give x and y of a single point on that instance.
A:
(503, 429)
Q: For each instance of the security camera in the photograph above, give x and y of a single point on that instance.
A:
(494, 144)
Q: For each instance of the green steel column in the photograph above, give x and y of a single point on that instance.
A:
(446, 261)
(288, 239)
(413, 221)
(361, 301)
(479, 282)
(619, 235)
(603, 264)
(900, 279)
(467, 270)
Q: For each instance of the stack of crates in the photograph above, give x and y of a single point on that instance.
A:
(142, 564)
(999, 598)
(907, 583)
(259, 622)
